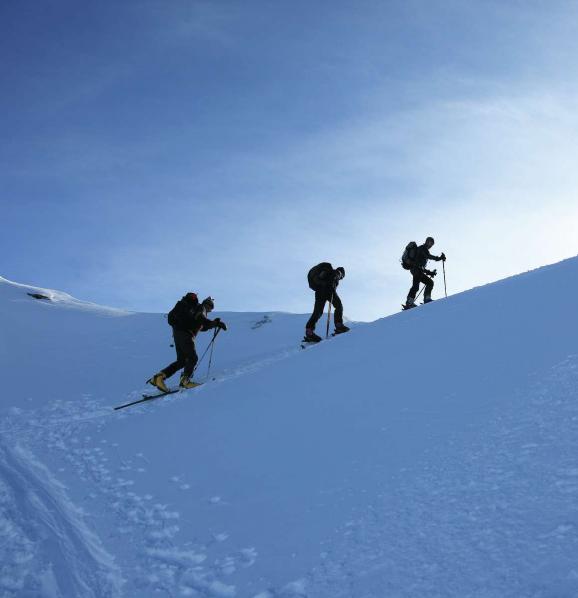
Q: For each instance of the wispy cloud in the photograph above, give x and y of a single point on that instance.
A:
(231, 148)
(493, 180)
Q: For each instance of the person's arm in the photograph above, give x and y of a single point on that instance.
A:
(334, 278)
(436, 258)
(210, 324)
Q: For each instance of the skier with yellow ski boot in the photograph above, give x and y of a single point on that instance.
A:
(187, 318)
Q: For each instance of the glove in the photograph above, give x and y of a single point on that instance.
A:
(220, 324)
(433, 273)
(443, 256)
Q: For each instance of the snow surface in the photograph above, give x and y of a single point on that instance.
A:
(433, 453)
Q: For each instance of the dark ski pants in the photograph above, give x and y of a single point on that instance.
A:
(321, 298)
(186, 354)
(418, 277)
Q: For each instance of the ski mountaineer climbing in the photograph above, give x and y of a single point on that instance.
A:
(187, 318)
(415, 260)
(323, 279)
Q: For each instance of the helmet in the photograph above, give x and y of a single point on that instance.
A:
(209, 304)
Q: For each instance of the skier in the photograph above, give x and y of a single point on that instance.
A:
(323, 279)
(415, 260)
(187, 318)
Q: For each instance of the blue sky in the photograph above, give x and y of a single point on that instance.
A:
(155, 147)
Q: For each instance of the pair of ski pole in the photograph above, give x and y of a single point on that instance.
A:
(210, 346)
(445, 285)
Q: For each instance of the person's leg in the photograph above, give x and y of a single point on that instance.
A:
(429, 283)
(158, 379)
(338, 314)
(320, 300)
(338, 317)
(190, 358)
(180, 338)
(416, 274)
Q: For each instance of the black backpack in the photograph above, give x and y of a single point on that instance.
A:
(315, 283)
(409, 256)
(178, 316)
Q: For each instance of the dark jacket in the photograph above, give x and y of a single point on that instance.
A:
(323, 277)
(191, 317)
(422, 256)
(200, 322)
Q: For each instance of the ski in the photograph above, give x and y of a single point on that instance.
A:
(162, 394)
(148, 398)
(336, 333)
(405, 307)
(307, 343)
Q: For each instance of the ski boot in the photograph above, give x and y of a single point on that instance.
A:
(427, 299)
(187, 383)
(158, 380)
(341, 328)
(311, 337)
(409, 304)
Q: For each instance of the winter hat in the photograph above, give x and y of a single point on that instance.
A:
(209, 303)
(341, 271)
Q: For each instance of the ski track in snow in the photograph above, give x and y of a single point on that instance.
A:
(461, 524)
(491, 511)
(37, 518)
(68, 429)
(442, 523)
(99, 409)
(160, 565)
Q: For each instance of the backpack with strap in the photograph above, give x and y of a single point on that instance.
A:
(315, 282)
(178, 315)
(409, 256)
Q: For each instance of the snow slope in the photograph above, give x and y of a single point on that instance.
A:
(89, 348)
(431, 453)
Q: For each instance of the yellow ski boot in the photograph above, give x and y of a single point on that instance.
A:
(158, 380)
(187, 383)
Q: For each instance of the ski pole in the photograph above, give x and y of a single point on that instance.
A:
(420, 292)
(445, 286)
(329, 316)
(206, 350)
(211, 354)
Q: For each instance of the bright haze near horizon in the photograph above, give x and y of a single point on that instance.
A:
(156, 147)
